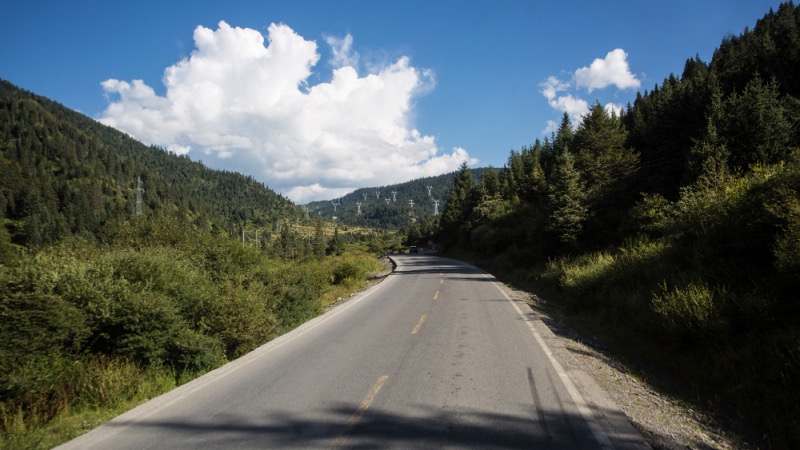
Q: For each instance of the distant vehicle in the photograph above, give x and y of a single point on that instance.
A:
(412, 249)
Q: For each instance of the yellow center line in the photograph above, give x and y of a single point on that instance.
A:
(419, 324)
(436, 295)
(362, 408)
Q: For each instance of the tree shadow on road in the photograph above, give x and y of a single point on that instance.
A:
(428, 428)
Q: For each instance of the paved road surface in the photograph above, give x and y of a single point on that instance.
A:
(435, 356)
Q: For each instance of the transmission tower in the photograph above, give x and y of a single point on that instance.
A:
(365, 196)
(139, 191)
(429, 190)
(387, 200)
(394, 196)
(436, 207)
(377, 195)
(334, 206)
(359, 207)
(411, 202)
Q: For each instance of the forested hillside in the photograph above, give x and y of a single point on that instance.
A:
(674, 227)
(62, 173)
(389, 207)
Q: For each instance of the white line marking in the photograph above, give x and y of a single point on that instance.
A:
(580, 402)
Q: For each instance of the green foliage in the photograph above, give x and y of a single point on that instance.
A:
(49, 386)
(457, 208)
(87, 325)
(34, 323)
(770, 50)
(354, 267)
(690, 312)
(756, 126)
(568, 202)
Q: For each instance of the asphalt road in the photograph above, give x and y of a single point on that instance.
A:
(435, 356)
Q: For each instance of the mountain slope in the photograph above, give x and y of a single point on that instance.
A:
(62, 173)
(389, 206)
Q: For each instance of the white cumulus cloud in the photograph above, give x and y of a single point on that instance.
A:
(342, 49)
(250, 107)
(552, 86)
(612, 70)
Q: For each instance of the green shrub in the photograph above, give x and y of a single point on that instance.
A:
(689, 312)
(170, 272)
(296, 291)
(241, 317)
(348, 270)
(32, 323)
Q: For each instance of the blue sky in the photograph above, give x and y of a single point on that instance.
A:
(353, 93)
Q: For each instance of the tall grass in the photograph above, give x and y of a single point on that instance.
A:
(51, 388)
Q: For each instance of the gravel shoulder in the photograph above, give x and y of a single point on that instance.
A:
(665, 422)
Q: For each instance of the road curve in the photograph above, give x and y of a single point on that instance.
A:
(436, 356)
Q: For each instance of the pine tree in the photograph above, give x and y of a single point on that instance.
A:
(601, 153)
(757, 128)
(490, 183)
(456, 209)
(563, 138)
(335, 246)
(710, 154)
(567, 200)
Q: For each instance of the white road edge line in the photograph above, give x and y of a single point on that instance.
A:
(577, 398)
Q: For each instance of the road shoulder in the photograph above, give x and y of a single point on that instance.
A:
(610, 388)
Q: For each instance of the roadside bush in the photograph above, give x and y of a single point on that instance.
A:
(170, 272)
(296, 291)
(32, 323)
(241, 317)
(690, 312)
